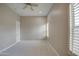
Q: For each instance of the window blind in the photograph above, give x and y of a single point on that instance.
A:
(74, 28)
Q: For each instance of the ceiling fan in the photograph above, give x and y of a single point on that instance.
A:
(31, 5)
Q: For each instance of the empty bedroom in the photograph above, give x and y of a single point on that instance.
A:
(39, 29)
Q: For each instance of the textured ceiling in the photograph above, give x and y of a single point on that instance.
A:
(41, 10)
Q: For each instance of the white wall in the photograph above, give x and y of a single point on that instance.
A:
(33, 28)
(18, 29)
(58, 28)
(7, 26)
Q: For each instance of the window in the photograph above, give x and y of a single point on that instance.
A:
(74, 28)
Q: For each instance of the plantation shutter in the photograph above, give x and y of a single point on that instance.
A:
(74, 28)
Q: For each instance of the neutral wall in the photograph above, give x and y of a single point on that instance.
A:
(18, 29)
(7, 26)
(58, 28)
(33, 28)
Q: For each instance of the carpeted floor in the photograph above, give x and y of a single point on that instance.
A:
(30, 48)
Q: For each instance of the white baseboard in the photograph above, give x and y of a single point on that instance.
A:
(8, 47)
(53, 49)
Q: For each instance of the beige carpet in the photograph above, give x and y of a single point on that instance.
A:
(30, 48)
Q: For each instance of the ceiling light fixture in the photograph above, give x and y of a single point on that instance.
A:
(31, 5)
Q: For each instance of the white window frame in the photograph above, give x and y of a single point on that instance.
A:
(72, 28)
